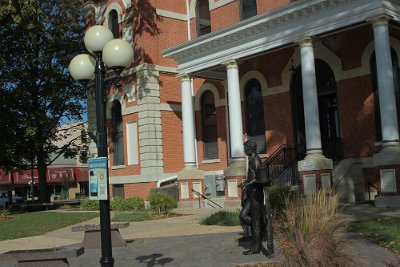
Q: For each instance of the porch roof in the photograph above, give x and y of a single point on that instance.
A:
(280, 27)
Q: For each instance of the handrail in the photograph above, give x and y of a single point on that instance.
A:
(282, 160)
(369, 190)
(275, 154)
(203, 196)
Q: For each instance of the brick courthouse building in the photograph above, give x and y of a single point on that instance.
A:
(317, 77)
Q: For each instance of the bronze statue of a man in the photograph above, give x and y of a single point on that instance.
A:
(256, 210)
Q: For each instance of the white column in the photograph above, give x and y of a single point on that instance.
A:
(387, 100)
(310, 98)
(188, 126)
(235, 110)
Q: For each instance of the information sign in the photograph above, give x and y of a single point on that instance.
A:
(98, 178)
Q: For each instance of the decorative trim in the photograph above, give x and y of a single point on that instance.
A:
(391, 141)
(210, 87)
(306, 42)
(171, 15)
(210, 161)
(380, 20)
(157, 108)
(230, 64)
(264, 32)
(117, 167)
(112, 6)
(150, 67)
(120, 98)
(253, 74)
(183, 77)
(141, 178)
(213, 4)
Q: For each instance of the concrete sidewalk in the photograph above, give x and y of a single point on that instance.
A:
(182, 241)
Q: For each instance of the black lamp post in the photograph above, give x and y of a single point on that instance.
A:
(116, 54)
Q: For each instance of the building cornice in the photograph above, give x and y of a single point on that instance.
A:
(276, 28)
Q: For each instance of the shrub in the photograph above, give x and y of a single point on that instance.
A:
(4, 215)
(308, 236)
(127, 204)
(277, 196)
(63, 196)
(162, 203)
(89, 205)
(223, 218)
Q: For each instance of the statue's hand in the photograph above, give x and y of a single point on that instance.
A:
(244, 185)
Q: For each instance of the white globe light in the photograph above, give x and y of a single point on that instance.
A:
(96, 38)
(117, 53)
(81, 67)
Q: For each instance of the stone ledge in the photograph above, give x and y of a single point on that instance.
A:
(96, 227)
(387, 201)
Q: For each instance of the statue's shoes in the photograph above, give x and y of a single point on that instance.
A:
(270, 250)
(250, 252)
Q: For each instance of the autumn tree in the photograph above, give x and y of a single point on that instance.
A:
(37, 94)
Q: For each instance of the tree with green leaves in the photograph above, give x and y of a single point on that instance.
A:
(38, 38)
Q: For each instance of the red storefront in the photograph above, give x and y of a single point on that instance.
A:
(5, 178)
(57, 178)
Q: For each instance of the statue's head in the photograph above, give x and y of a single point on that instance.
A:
(250, 147)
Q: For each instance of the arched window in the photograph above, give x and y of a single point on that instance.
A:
(113, 23)
(255, 114)
(117, 133)
(203, 17)
(248, 8)
(396, 77)
(209, 126)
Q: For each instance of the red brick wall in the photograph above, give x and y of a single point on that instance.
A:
(351, 54)
(278, 121)
(357, 116)
(264, 6)
(170, 89)
(177, 6)
(172, 141)
(270, 65)
(220, 19)
(172, 32)
(141, 190)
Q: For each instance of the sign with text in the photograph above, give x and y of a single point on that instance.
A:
(98, 178)
(24, 177)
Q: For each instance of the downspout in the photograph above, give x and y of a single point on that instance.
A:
(188, 19)
(167, 179)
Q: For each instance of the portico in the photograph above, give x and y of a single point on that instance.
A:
(297, 27)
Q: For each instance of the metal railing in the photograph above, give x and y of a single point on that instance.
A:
(370, 185)
(203, 196)
(282, 166)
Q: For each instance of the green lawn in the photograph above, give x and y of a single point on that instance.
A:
(222, 218)
(19, 225)
(384, 231)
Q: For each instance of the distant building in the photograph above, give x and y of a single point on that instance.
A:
(66, 177)
(317, 77)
